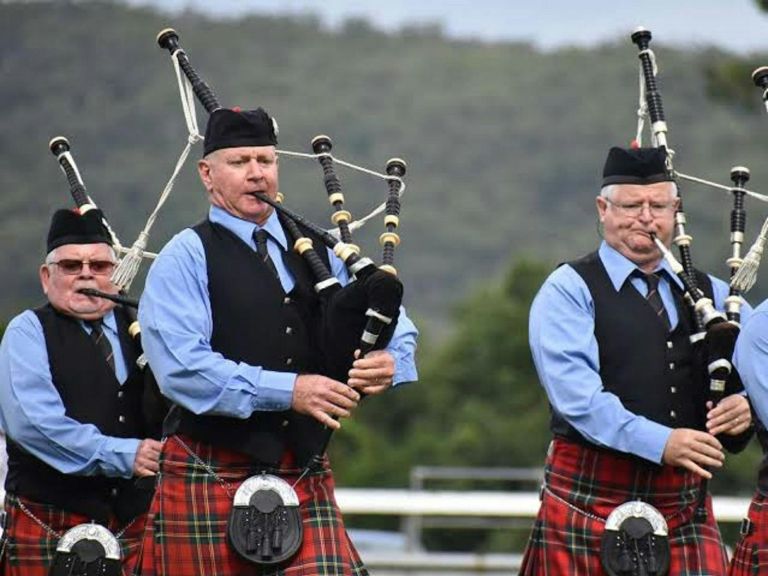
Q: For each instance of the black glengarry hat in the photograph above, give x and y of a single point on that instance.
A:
(71, 227)
(234, 128)
(635, 166)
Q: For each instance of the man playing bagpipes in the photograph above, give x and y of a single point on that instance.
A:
(634, 432)
(71, 405)
(229, 318)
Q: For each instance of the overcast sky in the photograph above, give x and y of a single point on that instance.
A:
(736, 25)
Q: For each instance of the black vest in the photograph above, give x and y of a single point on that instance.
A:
(654, 373)
(92, 395)
(255, 322)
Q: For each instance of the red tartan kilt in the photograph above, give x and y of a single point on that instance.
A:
(751, 554)
(186, 530)
(29, 549)
(584, 485)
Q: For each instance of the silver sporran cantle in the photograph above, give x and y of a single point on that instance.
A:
(635, 541)
(265, 525)
(87, 550)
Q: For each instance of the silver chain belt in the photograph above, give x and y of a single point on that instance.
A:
(227, 487)
(27, 512)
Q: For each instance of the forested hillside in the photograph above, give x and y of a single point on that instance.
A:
(504, 144)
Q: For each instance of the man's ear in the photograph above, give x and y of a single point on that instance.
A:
(45, 278)
(602, 205)
(204, 170)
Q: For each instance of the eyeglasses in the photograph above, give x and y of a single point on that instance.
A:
(71, 267)
(635, 209)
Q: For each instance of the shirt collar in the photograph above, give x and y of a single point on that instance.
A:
(619, 267)
(110, 321)
(243, 229)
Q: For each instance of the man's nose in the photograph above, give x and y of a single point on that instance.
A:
(255, 170)
(645, 212)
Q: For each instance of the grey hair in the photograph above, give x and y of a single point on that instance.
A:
(608, 191)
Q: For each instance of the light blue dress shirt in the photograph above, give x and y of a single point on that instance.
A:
(176, 323)
(32, 413)
(565, 352)
(751, 359)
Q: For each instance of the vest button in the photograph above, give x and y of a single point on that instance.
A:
(287, 300)
(288, 361)
(669, 344)
(120, 394)
(288, 330)
(113, 492)
(671, 365)
(121, 419)
(285, 423)
(672, 414)
(673, 389)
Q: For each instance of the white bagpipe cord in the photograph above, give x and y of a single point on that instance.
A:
(355, 224)
(129, 265)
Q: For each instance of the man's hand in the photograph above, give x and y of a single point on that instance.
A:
(324, 399)
(731, 416)
(372, 374)
(693, 450)
(147, 457)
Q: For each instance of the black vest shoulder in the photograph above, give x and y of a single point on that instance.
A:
(654, 373)
(91, 395)
(256, 322)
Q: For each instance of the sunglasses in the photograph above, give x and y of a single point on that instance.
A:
(73, 267)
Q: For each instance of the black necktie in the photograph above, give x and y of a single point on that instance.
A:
(260, 237)
(654, 298)
(102, 342)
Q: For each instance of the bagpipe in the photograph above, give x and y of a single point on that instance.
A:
(265, 526)
(715, 333)
(746, 276)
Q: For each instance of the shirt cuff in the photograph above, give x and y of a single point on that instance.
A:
(275, 392)
(649, 440)
(117, 456)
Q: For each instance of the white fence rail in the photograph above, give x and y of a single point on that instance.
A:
(396, 502)
(406, 503)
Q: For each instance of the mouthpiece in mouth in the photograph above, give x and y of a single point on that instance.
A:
(124, 300)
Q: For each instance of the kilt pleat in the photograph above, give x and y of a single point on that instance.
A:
(750, 557)
(187, 522)
(29, 549)
(584, 484)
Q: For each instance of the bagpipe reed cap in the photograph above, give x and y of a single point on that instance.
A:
(396, 164)
(166, 37)
(321, 143)
(58, 145)
(740, 173)
(641, 34)
(760, 77)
